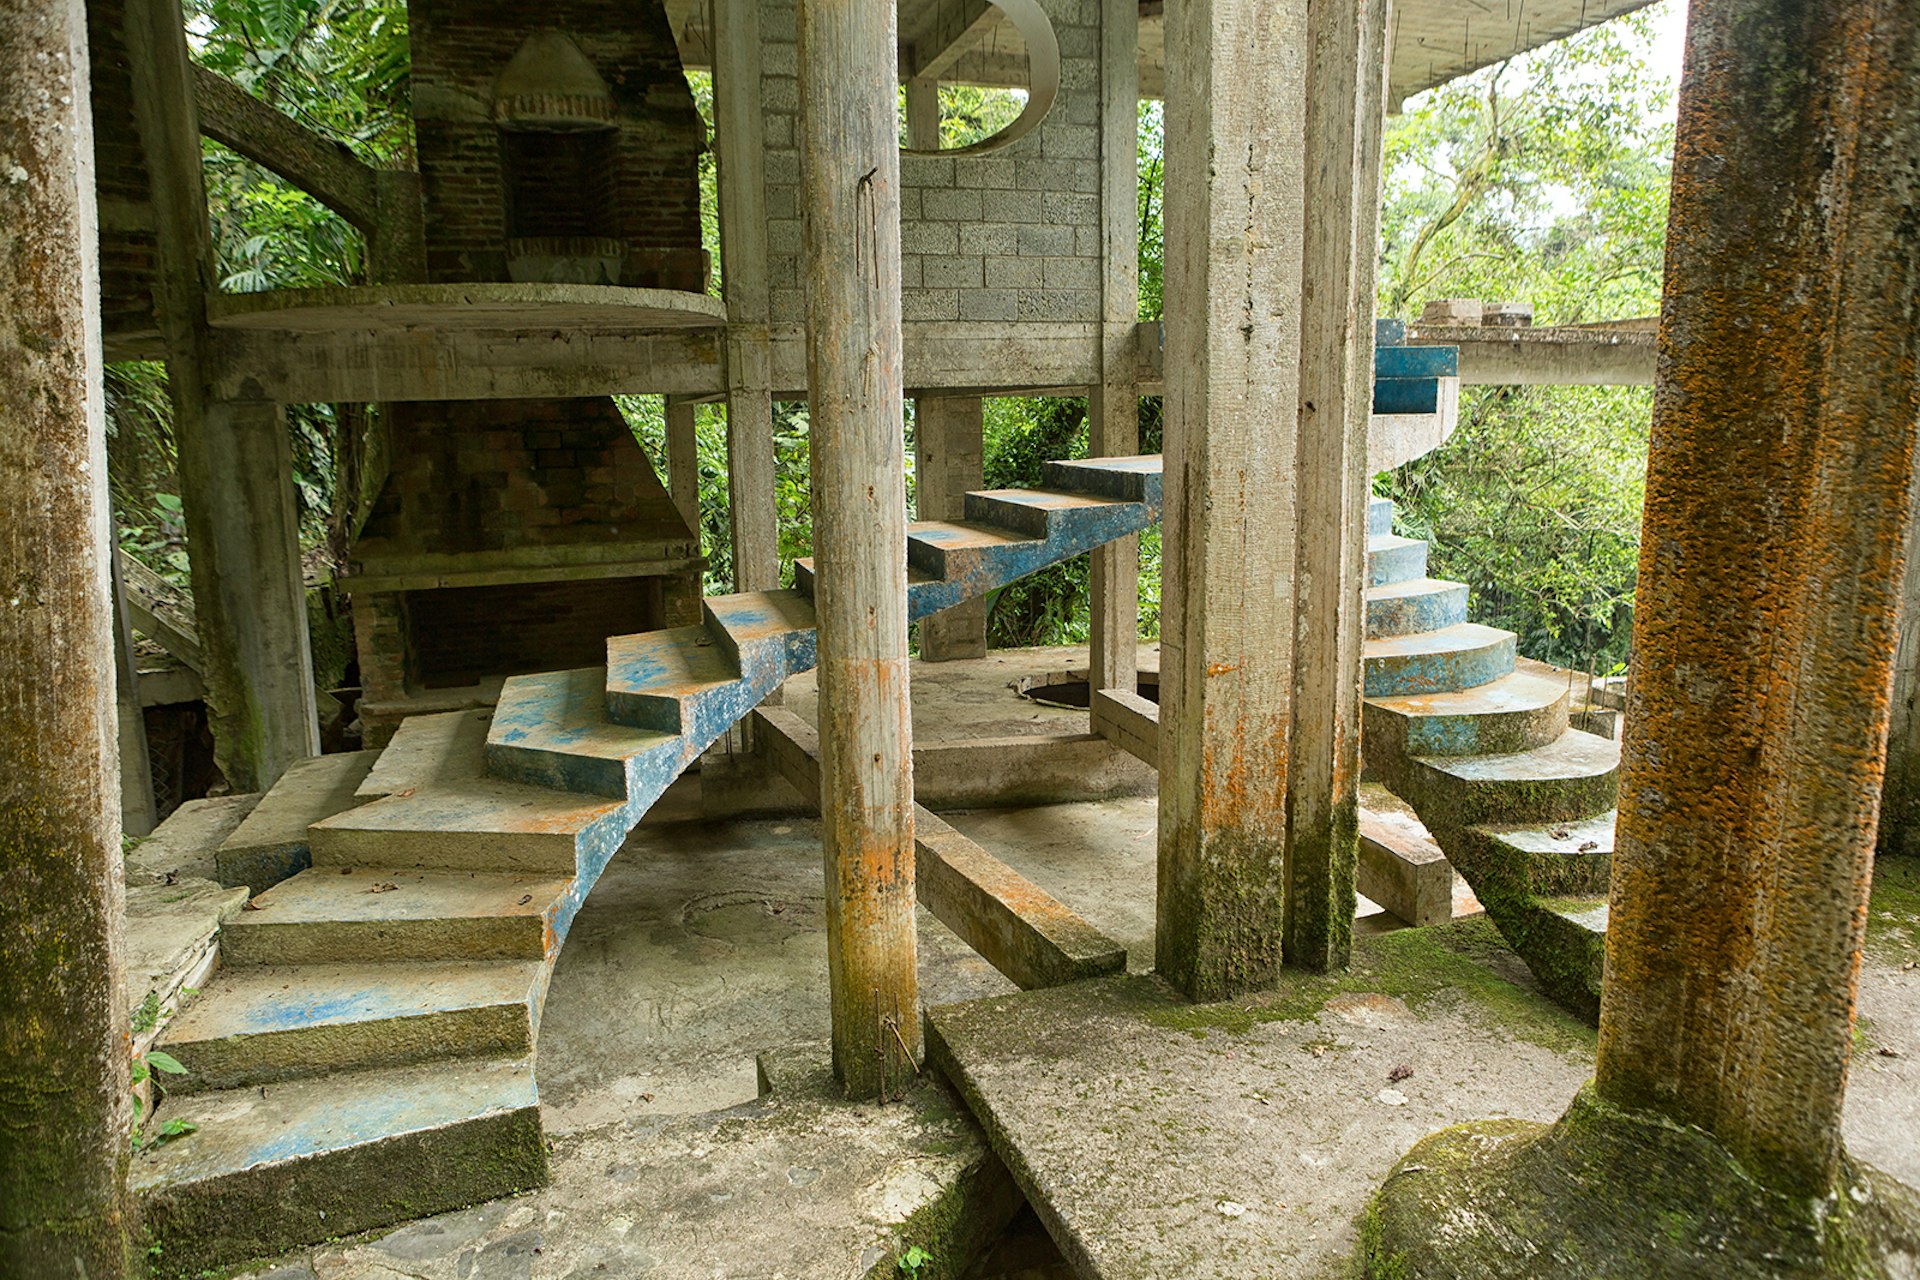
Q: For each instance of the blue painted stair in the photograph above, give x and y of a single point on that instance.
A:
(1521, 803)
(423, 935)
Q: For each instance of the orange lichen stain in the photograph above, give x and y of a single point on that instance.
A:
(1221, 668)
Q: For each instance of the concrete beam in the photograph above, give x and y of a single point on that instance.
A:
(1550, 356)
(323, 168)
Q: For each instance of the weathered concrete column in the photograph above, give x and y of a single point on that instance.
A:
(236, 487)
(850, 193)
(739, 134)
(1777, 510)
(1266, 460)
(683, 461)
(946, 449)
(1777, 514)
(64, 1208)
(1113, 404)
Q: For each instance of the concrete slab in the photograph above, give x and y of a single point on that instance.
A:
(183, 845)
(172, 935)
(272, 843)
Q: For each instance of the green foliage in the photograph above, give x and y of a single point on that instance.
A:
(913, 1259)
(146, 1013)
(1153, 189)
(144, 1069)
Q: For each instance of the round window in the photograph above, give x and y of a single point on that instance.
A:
(984, 75)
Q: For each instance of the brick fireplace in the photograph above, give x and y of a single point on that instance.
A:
(557, 143)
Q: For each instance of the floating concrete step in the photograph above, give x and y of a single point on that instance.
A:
(1573, 857)
(257, 1026)
(478, 824)
(1514, 712)
(1123, 479)
(552, 730)
(425, 750)
(1416, 605)
(1379, 517)
(268, 1169)
(323, 917)
(1395, 559)
(1573, 777)
(1586, 916)
(658, 679)
(1458, 657)
(1037, 513)
(271, 844)
(758, 623)
(803, 578)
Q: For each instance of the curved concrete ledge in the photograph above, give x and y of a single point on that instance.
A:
(452, 308)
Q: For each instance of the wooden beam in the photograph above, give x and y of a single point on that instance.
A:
(323, 168)
(159, 611)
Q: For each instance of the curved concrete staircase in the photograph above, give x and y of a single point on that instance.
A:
(1520, 803)
(367, 1054)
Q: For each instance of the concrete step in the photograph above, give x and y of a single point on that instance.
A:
(758, 625)
(1586, 916)
(1573, 857)
(254, 1026)
(425, 750)
(1036, 513)
(1416, 605)
(1395, 559)
(552, 730)
(476, 824)
(1575, 776)
(381, 915)
(1458, 657)
(658, 679)
(803, 578)
(313, 1160)
(946, 549)
(1123, 479)
(1514, 712)
(1379, 517)
(271, 844)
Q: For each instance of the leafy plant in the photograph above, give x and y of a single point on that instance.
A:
(143, 1071)
(912, 1260)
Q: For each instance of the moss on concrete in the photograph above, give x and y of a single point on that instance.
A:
(1893, 920)
(1606, 1193)
(1412, 965)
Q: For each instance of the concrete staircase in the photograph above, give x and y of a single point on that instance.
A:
(367, 1054)
(1521, 803)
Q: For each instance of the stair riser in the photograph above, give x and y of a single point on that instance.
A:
(1571, 873)
(1021, 517)
(363, 942)
(1379, 517)
(445, 850)
(1504, 800)
(1411, 615)
(1397, 564)
(277, 1206)
(1401, 675)
(561, 770)
(1485, 734)
(1122, 484)
(242, 1061)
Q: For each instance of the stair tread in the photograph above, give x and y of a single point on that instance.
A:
(246, 1128)
(1589, 914)
(1516, 691)
(324, 896)
(425, 750)
(1046, 499)
(1411, 587)
(259, 1001)
(1536, 837)
(959, 535)
(566, 711)
(759, 615)
(1455, 639)
(1575, 754)
(1390, 542)
(667, 663)
(478, 805)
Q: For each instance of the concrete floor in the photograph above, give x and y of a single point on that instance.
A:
(702, 947)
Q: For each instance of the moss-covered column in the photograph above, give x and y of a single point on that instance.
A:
(850, 194)
(1776, 523)
(1771, 558)
(64, 1209)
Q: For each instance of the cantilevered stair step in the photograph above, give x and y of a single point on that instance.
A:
(268, 1169)
(1575, 776)
(803, 577)
(1035, 513)
(677, 681)
(1416, 605)
(1515, 712)
(758, 623)
(1572, 857)
(254, 1026)
(474, 824)
(1379, 517)
(1395, 559)
(1457, 657)
(552, 730)
(1122, 479)
(323, 917)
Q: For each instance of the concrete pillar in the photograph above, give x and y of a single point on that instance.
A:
(850, 193)
(1777, 512)
(739, 148)
(139, 814)
(683, 461)
(923, 114)
(946, 446)
(64, 1207)
(235, 486)
(1113, 404)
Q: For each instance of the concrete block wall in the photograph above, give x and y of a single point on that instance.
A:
(1012, 236)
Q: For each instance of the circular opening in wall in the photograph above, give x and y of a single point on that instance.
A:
(981, 76)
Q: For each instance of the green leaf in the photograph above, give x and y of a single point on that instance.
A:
(165, 1062)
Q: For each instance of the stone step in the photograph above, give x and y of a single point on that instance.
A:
(1576, 776)
(1514, 712)
(552, 730)
(659, 679)
(1462, 656)
(424, 750)
(1573, 857)
(323, 917)
(759, 625)
(803, 578)
(1586, 916)
(255, 1026)
(1379, 517)
(476, 824)
(1416, 605)
(1122, 479)
(271, 844)
(1395, 559)
(1036, 513)
(269, 1169)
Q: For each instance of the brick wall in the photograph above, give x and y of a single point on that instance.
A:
(127, 245)
(1013, 235)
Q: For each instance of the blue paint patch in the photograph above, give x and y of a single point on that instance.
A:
(1416, 362)
(1406, 395)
